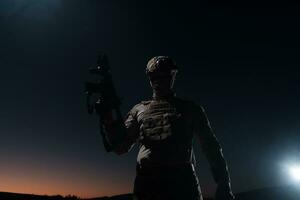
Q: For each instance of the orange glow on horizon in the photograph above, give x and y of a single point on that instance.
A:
(82, 181)
(47, 182)
(79, 189)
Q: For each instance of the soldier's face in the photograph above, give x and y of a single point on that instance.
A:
(163, 81)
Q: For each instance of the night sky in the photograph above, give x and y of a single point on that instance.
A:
(241, 62)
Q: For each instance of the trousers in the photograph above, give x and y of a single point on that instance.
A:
(178, 182)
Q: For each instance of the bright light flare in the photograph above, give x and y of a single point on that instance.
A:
(294, 172)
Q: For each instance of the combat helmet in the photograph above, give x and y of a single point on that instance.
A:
(161, 65)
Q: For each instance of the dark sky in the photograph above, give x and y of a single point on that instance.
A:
(241, 62)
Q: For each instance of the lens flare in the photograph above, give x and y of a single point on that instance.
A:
(294, 171)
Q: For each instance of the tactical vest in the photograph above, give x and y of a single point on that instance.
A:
(166, 132)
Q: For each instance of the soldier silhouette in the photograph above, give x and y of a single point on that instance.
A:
(164, 129)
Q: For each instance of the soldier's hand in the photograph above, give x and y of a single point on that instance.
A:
(224, 192)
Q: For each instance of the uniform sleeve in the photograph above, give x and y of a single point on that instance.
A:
(210, 146)
(131, 132)
(203, 130)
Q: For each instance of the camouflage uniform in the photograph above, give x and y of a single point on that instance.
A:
(164, 128)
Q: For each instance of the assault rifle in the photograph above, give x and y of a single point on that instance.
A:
(107, 99)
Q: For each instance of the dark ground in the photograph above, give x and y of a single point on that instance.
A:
(271, 193)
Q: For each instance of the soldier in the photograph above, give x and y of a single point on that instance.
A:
(164, 128)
